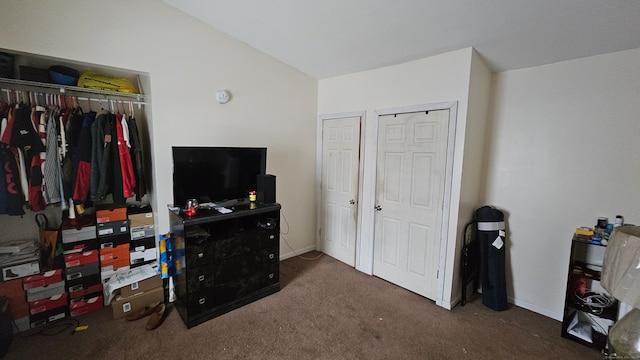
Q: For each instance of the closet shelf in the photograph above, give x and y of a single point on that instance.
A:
(25, 85)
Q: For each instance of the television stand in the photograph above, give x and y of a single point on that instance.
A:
(230, 260)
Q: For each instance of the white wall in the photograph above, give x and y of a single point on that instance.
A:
(272, 104)
(435, 79)
(564, 149)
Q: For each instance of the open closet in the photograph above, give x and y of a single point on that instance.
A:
(70, 139)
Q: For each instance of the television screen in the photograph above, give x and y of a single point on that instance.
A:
(216, 174)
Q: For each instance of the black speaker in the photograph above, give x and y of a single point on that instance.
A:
(266, 191)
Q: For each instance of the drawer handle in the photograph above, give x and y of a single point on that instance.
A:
(201, 278)
(201, 301)
(271, 276)
(200, 255)
(271, 237)
(271, 256)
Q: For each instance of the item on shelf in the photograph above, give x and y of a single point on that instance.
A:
(63, 75)
(584, 231)
(602, 222)
(94, 80)
(6, 65)
(34, 74)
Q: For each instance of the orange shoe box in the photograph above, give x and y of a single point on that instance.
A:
(111, 214)
(114, 258)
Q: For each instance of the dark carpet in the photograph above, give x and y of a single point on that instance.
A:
(325, 310)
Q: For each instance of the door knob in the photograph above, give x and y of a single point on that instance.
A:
(352, 201)
(378, 208)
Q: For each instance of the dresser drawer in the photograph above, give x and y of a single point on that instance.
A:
(200, 278)
(262, 238)
(262, 261)
(200, 301)
(199, 251)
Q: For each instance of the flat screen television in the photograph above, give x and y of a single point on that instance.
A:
(216, 174)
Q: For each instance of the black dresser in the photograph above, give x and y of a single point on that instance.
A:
(230, 259)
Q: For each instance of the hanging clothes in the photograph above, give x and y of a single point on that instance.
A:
(15, 198)
(97, 148)
(82, 160)
(137, 158)
(105, 185)
(52, 168)
(126, 167)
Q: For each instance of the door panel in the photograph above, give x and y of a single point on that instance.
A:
(411, 160)
(340, 166)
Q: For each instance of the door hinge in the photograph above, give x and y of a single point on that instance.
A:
(437, 274)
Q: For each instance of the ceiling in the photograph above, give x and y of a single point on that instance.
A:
(334, 37)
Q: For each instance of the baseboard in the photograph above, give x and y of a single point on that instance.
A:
(535, 309)
(298, 252)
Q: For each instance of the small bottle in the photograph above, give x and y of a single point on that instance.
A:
(619, 221)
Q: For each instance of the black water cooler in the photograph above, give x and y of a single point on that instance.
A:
(491, 236)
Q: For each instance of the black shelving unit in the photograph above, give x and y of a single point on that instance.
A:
(589, 311)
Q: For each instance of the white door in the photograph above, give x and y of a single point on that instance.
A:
(340, 164)
(410, 176)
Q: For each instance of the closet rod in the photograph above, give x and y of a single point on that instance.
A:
(77, 98)
(26, 85)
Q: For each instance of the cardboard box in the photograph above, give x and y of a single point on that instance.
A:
(47, 278)
(124, 278)
(49, 316)
(42, 305)
(113, 228)
(21, 268)
(141, 286)
(140, 215)
(85, 304)
(105, 215)
(13, 290)
(85, 270)
(141, 220)
(114, 258)
(45, 292)
(76, 259)
(121, 306)
(145, 231)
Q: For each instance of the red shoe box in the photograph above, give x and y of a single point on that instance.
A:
(85, 285)
(42, 305)
(81, 292)
(47, 278)
(86, 304)
(75, 259)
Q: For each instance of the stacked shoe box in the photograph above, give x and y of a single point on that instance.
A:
(82, 265)
(114, 239)
(143, 236)
(137, 296)
(18, 306)
(47, 297)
